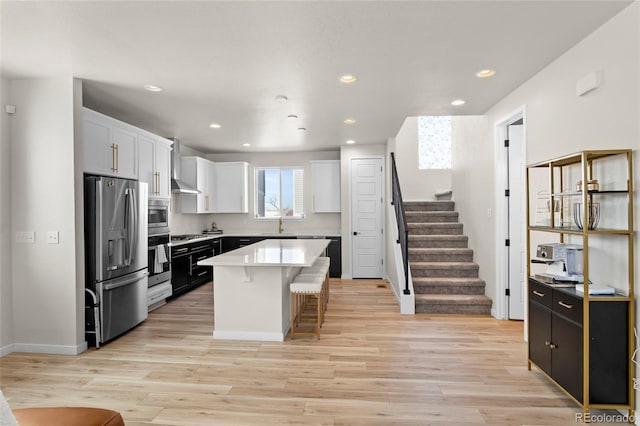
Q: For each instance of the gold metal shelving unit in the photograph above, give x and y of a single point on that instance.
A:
(559, 193)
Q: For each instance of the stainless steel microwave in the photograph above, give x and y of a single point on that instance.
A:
(159, 213)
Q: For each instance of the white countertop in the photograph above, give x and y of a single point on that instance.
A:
(283, 235)
(274, 252)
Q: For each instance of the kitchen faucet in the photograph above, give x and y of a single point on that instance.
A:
(280, 226)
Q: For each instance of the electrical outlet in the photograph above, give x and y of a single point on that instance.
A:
(52, 237)
(25, 237)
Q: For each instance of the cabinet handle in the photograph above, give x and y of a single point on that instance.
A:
(157, 188)
(117, 158)
(552, 346)
(565, 305)
(547, 343)
(182, 250)
(113, 157)
(203, 273)
(537, 293)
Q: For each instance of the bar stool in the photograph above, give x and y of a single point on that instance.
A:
(300, 289)
(321, 265)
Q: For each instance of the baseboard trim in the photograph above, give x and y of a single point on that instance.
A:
(346, 277)
(248, 335)
(6, 350)
(50, 349)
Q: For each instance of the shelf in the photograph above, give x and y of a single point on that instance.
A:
(549, 322)
(573, 194)
(576, 231)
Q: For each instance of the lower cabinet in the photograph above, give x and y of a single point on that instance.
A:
(186, 274)
(556, 342)
(334, 251)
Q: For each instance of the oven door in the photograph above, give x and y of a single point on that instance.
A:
(158, 213)
(159, 254)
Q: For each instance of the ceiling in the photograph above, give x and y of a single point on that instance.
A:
(226, 62)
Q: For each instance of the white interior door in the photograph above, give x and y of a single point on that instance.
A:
(516, 232)
(366, 217)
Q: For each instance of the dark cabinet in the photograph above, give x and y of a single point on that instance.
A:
(233, 243)
(186, 274)
(556, 342)
(334, 251)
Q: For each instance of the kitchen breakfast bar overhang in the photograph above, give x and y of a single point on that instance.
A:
(251, 287)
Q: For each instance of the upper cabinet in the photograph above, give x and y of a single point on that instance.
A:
(110, 146)
(155, 164)
(231, 187)
(115, 148)
(199, 173)
(325, 186)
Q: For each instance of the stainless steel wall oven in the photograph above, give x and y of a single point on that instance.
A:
(159, 267)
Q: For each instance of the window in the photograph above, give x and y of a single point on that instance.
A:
(434, 142)
(279, 193)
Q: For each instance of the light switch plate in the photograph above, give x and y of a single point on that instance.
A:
(25, 237)
(52, 237)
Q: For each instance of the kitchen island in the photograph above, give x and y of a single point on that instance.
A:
(251, 287)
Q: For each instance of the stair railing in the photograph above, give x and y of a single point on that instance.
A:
(403, 232)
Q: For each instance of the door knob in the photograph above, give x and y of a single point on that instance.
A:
(355, 233)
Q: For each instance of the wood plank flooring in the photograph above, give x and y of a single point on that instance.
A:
(372, 366)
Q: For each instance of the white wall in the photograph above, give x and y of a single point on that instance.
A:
(48, 313)
(346, 154)
(557, 122)
(6, 291)
(416, 184)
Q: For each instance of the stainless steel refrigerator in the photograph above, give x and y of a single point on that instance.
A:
(115, 254)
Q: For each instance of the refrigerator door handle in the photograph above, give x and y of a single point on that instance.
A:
(132, 228)
(125, 282)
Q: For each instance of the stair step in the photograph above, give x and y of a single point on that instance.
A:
(439, 285)
(431, 216)
(438, 241)
(453, 304)
(435, 228)
(444, 269)
(410, 206)
(440, 254)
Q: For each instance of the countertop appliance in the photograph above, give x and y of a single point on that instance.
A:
(564, 262)
(115, 254)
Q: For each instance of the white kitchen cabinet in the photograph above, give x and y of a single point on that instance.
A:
(110, 146)
(231, 188)
(325, 186)
(154, 166)
(199, 173)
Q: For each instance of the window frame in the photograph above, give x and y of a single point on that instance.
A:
(256, 172)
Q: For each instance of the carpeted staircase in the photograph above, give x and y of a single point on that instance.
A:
(445, 279)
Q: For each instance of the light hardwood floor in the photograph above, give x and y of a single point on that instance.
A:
(372, 366)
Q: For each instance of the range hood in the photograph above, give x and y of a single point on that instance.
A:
(178, 186)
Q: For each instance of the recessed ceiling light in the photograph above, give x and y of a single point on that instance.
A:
(246, 144)
(348, 78)
(152, 88)
(350, 121)
(215, 125)
(350, 142)
(458, 102)
(281, 98)
(302, 129)
(485, 73)
(292, 116)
